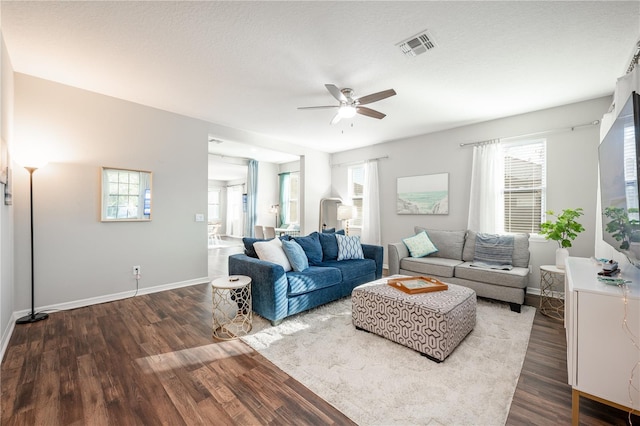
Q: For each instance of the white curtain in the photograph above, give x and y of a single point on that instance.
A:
(371, 208)
(486, 201)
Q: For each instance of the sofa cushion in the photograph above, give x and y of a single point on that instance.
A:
(516, 277)
(420, 245)
(449, 243)
(349, 247)
(311, 246)
(520, 257)
(313, 278)
(271, 251)
(430, 266)
(329, 246)
(296, 255)
(352, 269)
(332, 231)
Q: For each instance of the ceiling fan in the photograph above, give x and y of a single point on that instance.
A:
(351, 105)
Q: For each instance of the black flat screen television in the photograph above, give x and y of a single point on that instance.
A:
(619, 170)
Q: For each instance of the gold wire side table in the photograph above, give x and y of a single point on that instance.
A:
(232, 312)
(552, 299)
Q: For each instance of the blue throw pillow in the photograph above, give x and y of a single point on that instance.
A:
(311, 246)
(332, 231)
(296, 255)
(329, 246)
(349, 247)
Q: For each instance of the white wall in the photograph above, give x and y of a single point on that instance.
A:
(571, 172)
(268, 193)
(77, 257)
(315, 184)
(7, 302)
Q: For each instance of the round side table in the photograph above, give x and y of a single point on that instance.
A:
(552, 299)
(232, 312)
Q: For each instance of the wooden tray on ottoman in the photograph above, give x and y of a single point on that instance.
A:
(413, 285)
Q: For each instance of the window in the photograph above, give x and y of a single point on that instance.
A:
(290, 198)
(294, 195)
(214, 204)
(356, 193)
(524, 185)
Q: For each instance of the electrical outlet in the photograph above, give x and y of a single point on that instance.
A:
(136, 270)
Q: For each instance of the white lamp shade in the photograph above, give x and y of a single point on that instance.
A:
(30, 159)
(345, 212)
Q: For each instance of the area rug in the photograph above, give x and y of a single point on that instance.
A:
(377, 382)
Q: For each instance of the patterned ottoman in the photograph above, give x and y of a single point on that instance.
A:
(431, 323)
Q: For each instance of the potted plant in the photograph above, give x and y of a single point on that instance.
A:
(564, 230)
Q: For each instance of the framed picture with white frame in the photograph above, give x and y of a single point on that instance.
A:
(425, 194)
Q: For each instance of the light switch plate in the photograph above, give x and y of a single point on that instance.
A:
(199, 217)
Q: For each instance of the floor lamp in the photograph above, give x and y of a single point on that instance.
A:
(33, 316)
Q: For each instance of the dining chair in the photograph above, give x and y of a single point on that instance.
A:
(259, 232)
(269, 232)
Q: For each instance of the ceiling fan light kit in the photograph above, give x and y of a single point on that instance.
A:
(347, 111)
(349, 105)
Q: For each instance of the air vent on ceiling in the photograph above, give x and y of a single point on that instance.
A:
(418, 44)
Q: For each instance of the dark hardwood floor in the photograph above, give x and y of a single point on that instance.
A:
(151, 360)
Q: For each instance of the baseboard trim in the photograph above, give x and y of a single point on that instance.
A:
(6, 336)
(533, 290)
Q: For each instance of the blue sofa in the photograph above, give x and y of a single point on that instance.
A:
(277, 294)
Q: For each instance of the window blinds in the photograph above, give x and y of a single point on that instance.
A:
(524, 185)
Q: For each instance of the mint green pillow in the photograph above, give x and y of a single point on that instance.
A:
(420, 245)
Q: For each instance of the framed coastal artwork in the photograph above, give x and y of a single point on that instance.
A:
(426, 194)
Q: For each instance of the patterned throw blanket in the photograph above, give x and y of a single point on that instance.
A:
(493, 251)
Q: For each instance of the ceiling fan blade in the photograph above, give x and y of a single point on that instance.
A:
(320, 107)
(336, 118)
(370, 112)
(374, 97)
(336, 93)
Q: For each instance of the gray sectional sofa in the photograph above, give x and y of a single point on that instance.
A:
(452, 264)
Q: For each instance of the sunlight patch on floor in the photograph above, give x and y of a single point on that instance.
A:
(201, 355)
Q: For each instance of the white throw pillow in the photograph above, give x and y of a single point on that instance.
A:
(272, 251)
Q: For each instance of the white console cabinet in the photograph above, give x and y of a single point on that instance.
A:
(600, 354)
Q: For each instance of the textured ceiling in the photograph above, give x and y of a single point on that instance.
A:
(249, 65)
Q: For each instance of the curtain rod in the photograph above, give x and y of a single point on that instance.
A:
(545, 132)
(357, 162)
(232, 157)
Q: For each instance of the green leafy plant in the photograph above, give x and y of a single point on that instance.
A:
(621, 227)
(564, 229)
